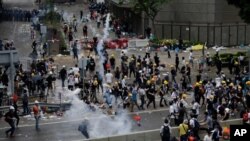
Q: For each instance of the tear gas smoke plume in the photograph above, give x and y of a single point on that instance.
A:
(100, 124)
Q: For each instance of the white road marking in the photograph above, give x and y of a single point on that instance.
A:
(79, 119)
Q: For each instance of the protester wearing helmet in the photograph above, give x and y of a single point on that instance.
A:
(9, 118)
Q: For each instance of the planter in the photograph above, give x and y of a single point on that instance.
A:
(65, 52)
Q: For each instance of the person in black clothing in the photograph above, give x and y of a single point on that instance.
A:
(83, 128)
(70, 37)
(151, 95)
(85, 31)
(177, 62)
(91, 65)
(34, 45)
(182, 113)
(165, 131)
(157, 59)
(173, 74)
(112, 61)
(63, 75)
(50, 83)
(81, 15)
(9, 118)
(218, 65)
(16, 113)
(25, 100)
(148, 32)
(162, 93)
(95, 43)
(188, 73)
(132, 67)
(5, 79)
(75, 50)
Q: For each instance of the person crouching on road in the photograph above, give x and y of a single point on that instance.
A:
(9, 118)
(36, 110)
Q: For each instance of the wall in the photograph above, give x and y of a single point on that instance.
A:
(195, 11)
(214, 34)
(211, 21)
(198, 11)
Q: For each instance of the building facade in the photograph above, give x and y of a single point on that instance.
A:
(211, 21)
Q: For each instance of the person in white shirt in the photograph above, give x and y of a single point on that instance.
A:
(184, 102)
(208, 136)
(196, 108)
(71, 82)
(191, 61)
(142, 94)
(124, 82)
(176, 106)
(76, 69)
(109, 77)
(174, 95)
(71, 71)
(172, 113)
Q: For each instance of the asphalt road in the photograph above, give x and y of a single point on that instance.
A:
(66, 130)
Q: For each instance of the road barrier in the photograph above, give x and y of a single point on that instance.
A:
(154, 135)
(62, 106)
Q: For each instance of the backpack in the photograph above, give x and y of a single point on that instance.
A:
(245, 117)
(166, 132)
(196, 124)
(91, 63)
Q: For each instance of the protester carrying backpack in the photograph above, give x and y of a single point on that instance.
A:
(165, 131)
(194, 126)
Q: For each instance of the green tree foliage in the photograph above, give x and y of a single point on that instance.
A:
(149, 7)
(244, 6)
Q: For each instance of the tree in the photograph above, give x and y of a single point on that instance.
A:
(244, 6)
(150, 8)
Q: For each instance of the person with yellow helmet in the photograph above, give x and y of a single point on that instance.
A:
(163, 93)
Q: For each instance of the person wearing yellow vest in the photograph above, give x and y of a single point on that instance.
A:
(183, 130)
(36, 111)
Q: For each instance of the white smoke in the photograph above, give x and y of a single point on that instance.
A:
(100, 124)
(100, 45)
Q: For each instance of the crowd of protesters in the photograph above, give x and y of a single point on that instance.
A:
(136, 80)
(7, 45)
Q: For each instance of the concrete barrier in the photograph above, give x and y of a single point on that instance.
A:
(137, 43)
(63, 106)
(154, 135)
